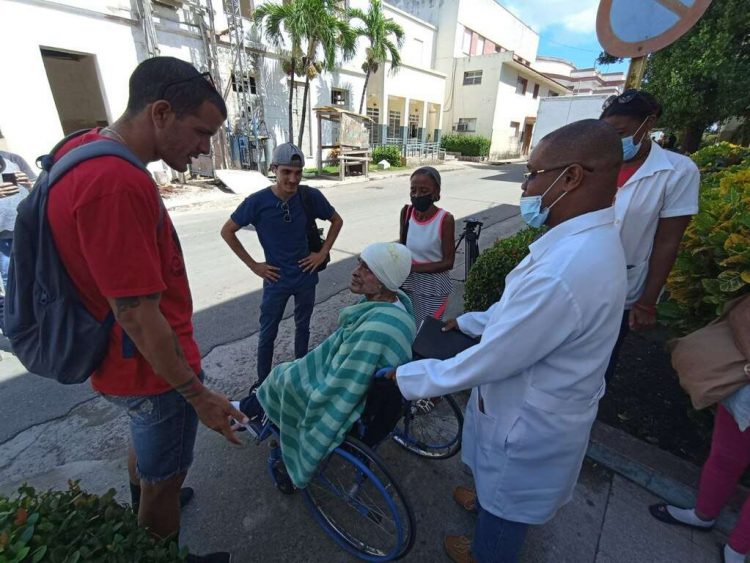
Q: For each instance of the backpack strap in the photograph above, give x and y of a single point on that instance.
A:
(46, 161)
(407, 210)
(85, 152)
(304, 192)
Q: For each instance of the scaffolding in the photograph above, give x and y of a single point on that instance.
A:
(242, 144)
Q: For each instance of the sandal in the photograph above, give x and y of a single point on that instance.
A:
(660, 512)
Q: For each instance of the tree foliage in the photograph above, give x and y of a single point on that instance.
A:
(314, 32)
(704, 77)
(380, 32)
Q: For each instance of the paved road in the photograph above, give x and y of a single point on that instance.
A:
(235, 506)
(227, 296)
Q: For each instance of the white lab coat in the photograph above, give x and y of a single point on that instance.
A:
(539, 369)
(666, 185)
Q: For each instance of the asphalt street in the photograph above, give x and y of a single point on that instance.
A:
(226, 295)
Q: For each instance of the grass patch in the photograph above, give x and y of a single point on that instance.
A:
(313, 172)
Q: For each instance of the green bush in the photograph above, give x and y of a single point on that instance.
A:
(391, 153)
(486, 281)
(719, 156)
(467, 145)
(713, 264)
(74, 526)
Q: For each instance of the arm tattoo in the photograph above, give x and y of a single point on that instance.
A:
(190, 389)
(125, 304)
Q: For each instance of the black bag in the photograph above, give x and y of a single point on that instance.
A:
(50, 331)
(314, 234)
(432, 342)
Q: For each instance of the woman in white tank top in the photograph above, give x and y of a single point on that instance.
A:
(428, 232)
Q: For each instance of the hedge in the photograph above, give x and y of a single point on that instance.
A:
(467, 145)
(74, 526)
(391, 153)
(486, 281)
(713, 264)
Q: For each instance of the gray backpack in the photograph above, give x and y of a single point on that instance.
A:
(51, 332)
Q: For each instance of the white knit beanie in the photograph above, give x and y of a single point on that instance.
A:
(389, 261)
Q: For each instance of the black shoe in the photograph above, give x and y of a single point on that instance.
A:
(186, 495)
(218, 557)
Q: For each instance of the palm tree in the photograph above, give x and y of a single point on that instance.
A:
(327, 35)
(378, 30)
(277, 19)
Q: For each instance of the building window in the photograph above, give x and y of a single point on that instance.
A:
(479, 49)
(472, 77)
(246, 85)
(521, 85)
(467, 125)
(516, 126)
(340, 97)
(466, 46)
(536, 91)
(500, 49)
(394, 124)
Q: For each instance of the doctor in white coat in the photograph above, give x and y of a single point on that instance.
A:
(538, 372)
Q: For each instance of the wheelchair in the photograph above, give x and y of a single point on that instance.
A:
(353, 496)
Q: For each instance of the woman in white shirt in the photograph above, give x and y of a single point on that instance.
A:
(656, 197)
(428, 232)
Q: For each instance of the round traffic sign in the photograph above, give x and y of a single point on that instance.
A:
(634, 28)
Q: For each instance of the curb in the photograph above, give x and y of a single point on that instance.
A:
(661, 473)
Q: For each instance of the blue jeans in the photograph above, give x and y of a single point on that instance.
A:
(497, 540)
(271, 311)
(162, 431)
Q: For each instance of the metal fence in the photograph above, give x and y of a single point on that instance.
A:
(415, 149)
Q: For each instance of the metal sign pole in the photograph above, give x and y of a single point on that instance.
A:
(635, 72)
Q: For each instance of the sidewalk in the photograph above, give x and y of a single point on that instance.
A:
(236, 507)
(187, 196)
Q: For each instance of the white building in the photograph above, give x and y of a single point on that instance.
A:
(486, 52)
(74, 57)
(580, 81)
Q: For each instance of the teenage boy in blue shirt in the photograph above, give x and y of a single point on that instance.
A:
(290, 269)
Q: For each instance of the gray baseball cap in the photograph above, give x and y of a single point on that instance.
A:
(286, 154)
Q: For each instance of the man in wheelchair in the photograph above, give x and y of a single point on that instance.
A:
(315, 400)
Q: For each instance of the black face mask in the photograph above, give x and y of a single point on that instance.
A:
(421, 203)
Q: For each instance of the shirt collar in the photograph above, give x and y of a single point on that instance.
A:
(656, 161)
(571, 227)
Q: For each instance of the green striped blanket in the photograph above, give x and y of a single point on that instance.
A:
(316, 399)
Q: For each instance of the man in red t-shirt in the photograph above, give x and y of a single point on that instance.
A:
(119, 246)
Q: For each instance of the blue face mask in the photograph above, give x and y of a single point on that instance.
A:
(531, 206)
(629, 146)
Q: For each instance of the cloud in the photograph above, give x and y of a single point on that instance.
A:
(572, 17)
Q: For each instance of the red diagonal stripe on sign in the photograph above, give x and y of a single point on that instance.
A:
(675, 6)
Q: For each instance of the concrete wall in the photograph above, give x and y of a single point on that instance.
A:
(554, 66)
(476, 100)
(491, 20)
(513, 107)
(76, 91)
(28, 114)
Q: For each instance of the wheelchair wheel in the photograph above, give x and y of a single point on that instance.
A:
(358, 503)
(431, 428)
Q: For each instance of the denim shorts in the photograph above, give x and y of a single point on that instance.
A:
(162, 432)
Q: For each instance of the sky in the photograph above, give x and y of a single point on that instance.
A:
(567, 29)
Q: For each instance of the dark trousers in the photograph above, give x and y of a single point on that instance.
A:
(624, 330)
(271, 311)
(497, 540)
